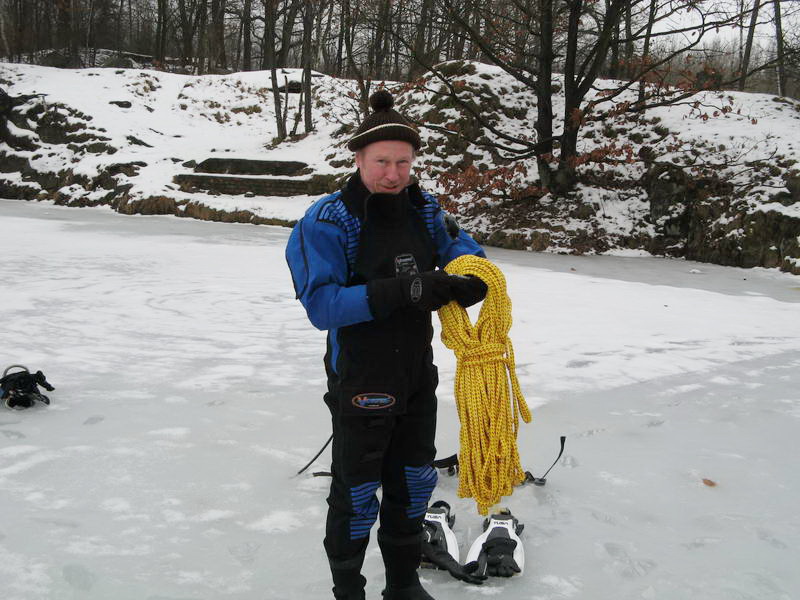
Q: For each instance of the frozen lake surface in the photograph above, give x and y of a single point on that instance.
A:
(188, 392)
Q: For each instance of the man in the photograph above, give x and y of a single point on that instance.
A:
(363, 263)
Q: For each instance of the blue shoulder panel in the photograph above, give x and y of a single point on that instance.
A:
(318, 257)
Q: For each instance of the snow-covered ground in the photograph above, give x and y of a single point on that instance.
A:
(188, 392)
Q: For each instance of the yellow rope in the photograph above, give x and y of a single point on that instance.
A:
(488, 459)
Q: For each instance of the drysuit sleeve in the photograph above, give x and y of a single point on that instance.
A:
(450, 244)
(316, 257)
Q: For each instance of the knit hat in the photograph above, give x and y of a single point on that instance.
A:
(384, 124)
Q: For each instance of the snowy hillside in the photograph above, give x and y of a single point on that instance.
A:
(171, 119)
(715, 178)
(188, 392)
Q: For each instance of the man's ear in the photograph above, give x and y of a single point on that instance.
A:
(358, 159)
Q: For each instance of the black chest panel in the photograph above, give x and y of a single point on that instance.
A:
(390, 355)
(393, 247)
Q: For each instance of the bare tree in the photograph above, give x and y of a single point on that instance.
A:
(247, 26)
(308, 22)
(751, 30)
(162, 26)
(779, 52)
(270, 18)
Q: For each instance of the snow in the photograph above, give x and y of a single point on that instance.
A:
(188, 393)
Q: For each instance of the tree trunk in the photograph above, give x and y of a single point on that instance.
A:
(613, 67)
(62, 26)
(288, 31)
(323, 42)
(17, 29)
(740, 18)
(119, 26)
(749, 44)
(202, 37)
(217, 56)
(544, 94)
(569, 138)
(363, 85)
(418, 54)
(646, 52)
(188, 19)
(397, 45)
(161, 30)
(779, 39)
(340, 44)
(629, 48)
(247, 61)
(381, 38)
(270, 16)
(308, 23)
(90, 31)
(460, 38)
(74, 37)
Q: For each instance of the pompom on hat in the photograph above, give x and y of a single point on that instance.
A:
(384, 123)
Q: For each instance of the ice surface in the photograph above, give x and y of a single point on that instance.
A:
(188, 392)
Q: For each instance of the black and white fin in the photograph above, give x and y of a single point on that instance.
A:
(437, 529)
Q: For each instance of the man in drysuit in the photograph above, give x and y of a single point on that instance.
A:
(364, 265)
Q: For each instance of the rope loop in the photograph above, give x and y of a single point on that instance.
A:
(488, 396)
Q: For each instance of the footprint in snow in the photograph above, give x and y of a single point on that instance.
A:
(79, 577)
(766, 536)
(93, 420)
(590, 432)
(245, 553)
(626, 566)
(579, 364)
(701, 542)
(569, 462)
(12, 435)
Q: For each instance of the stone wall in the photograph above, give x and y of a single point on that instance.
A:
(313, 186)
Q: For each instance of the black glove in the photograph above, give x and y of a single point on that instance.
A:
(441, 558)
(427, 291)
(497, 558)
(468, 290)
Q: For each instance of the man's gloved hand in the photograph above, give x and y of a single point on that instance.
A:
(427, 291)
(468, 290)
(442, 559)
(496, 558)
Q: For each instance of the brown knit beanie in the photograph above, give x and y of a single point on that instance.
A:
(384, 124)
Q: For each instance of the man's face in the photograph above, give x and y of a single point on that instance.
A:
(385, 166)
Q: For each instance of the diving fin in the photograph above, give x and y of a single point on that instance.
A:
(436, 529)
(498, 550)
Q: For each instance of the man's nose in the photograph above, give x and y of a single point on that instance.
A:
(391, 172)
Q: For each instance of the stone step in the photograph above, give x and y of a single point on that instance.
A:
(259, 185)
(244, 166)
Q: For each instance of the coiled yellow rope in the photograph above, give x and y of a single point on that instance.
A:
(488, 458)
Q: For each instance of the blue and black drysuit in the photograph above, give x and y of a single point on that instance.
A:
(381, 376)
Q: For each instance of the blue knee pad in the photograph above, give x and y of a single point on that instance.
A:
(420, 482)
(365, 507)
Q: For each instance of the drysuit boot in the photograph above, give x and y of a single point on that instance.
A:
(348, 585)
(401, 557)
(348, 582)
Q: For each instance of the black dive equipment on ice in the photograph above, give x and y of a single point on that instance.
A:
(20, 389)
